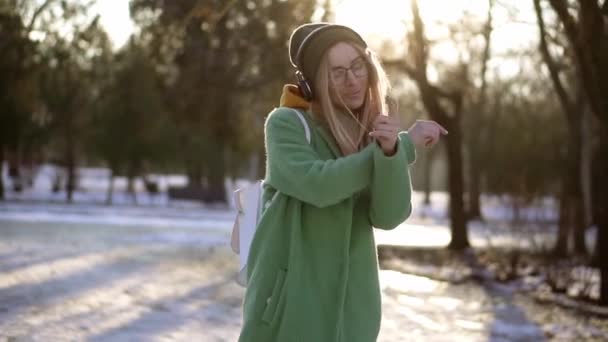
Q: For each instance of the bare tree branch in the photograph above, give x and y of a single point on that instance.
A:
(401, 65)
(550, 62)
(585, 37)
(487, 32)
(570, 25)
(420, 47)
(37, 12)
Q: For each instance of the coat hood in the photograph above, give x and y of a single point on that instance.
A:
(291, 97)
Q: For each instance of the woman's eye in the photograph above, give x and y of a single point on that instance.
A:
(337, 74)
(358, 65)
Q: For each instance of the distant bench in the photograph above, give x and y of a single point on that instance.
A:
(195, 193)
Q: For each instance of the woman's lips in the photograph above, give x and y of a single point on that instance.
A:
(353, 95)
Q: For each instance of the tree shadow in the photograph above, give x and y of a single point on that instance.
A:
(169, 313)
(510, 322)
(13, 262)
(506, 321)
(18, 298)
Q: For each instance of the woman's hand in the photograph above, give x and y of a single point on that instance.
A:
(426, 133)
(385, 130)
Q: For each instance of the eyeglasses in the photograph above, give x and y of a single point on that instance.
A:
(358, 67)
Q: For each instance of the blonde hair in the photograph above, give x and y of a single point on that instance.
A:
(374, 104)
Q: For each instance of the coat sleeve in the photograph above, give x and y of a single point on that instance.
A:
(391, 188)
(294, 168)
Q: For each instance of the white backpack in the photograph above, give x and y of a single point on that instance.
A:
(248, 202)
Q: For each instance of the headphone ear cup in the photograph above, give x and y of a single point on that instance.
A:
(304, 86)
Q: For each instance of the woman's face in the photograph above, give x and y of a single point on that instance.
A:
(348, 76)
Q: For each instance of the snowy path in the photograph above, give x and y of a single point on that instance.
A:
(66, 282)
(422, 309)
(129, 274)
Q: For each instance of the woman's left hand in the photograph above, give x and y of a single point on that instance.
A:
(385, 130)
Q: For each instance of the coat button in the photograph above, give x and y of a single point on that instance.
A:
(266, 205)
(268, 300)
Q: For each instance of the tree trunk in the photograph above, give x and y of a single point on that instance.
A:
(217, 176)
(70, 169)
(602, 186)
(474, 208)
(131, 188)
(588, 36)
(602, 239)
(195, 173)
(431, 97)
(560, 249)
(572, 215)
(596, 179)
(2, 172)
(110, 193)
(460, 239)
(588, 149)
(580, 229)
(132, 171)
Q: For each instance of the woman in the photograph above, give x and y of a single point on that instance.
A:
(313, 266)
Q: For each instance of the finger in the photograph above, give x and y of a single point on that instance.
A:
(435, 138)
(394, 121)
(388, 123)
(432, 130)
(386, 127)
(430, 142)
(386, 119)
(441, 128)
(382, 135)
(380, 119)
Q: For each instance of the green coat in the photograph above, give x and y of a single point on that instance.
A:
(313, 263)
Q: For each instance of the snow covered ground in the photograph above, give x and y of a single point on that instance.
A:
(105, 282)
(426, 227)
(99, 282)
(162, 271)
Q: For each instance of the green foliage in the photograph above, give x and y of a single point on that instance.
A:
(130, 127)
(18, 77)
(219, 61)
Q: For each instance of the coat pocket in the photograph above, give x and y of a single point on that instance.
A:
(272, 302)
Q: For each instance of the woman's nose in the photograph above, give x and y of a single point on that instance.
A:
(350, 77)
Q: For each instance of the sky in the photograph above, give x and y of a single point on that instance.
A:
(114, 16)
(389, 20)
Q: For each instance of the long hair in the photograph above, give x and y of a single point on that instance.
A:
(373, 105)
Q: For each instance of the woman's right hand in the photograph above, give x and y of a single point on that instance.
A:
(425, 133)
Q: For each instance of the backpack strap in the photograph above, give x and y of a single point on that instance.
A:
(304, 123)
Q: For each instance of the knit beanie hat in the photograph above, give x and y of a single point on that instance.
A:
(309, 42)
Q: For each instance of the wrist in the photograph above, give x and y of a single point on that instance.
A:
(392, 151)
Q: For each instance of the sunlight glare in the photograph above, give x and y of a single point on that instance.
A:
(387, 21)
(446, 303)
(407, 283)
(422, 320)
(115, 18)
(62, 267)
